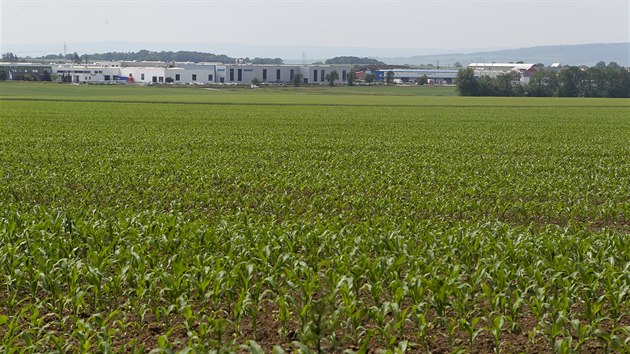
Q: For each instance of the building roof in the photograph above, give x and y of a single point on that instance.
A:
(17, 63)
(490, 66)
(439, 71)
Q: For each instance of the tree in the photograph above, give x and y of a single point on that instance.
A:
(9, 57)
(611, 65)
(457, 64)
(507, 83)
(543, 84)
(600, 64)
(486, 86)
(274, 61)
(331, 77)
(255, 81)
(3, 74)
(595, 82)
(389, 77)
(76, 58)
(369, 78)
(46, 76)
(422, 80)
(351, 77)
(467, 85)
(618, 83)
(297, 79)
(570, 82)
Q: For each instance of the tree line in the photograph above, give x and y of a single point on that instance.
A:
(10, 57)
(165, 56)
(600, 80)
(353, 60)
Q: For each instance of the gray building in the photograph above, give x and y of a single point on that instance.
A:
(279, 74)
(26, 71)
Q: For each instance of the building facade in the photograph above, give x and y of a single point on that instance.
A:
(26, 71)
(437, 76)
(185, 73)
(280, 74)
(89, 73)
(525, 70)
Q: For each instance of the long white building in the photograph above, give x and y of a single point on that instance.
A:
(90, 73)
(196, 73)
(495, 69)
(439, 76)
(501, 66)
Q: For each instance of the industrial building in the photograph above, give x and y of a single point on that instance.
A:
(138, 72)
(182, 72)
(501, 66)
(495, 69)
(94, 73)
(435, 76)
(153, 72)
(26, 71)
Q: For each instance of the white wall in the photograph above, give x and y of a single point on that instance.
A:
(249, 72)
(144, 74)
(219, 74)
(87, 73)
(309, 73)
(192, 75)
(207, 73)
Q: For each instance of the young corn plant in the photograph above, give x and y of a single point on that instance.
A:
(423, 327)
(472, 329)
(284, 302)
(582, 332)
(495, 328)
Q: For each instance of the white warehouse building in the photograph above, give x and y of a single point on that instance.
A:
(90, 73)
(525, 70)
(196, 73)
(178, 75)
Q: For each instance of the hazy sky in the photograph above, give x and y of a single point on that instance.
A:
(342, 23)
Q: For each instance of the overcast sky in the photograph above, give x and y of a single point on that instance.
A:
(342, 23)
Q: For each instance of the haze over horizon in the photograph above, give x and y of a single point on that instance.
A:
(406, 27)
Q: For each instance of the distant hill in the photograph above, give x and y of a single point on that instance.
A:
(581, 54)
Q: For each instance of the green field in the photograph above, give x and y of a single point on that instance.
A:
(321, 95)
(381, 95)
(311, 219)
